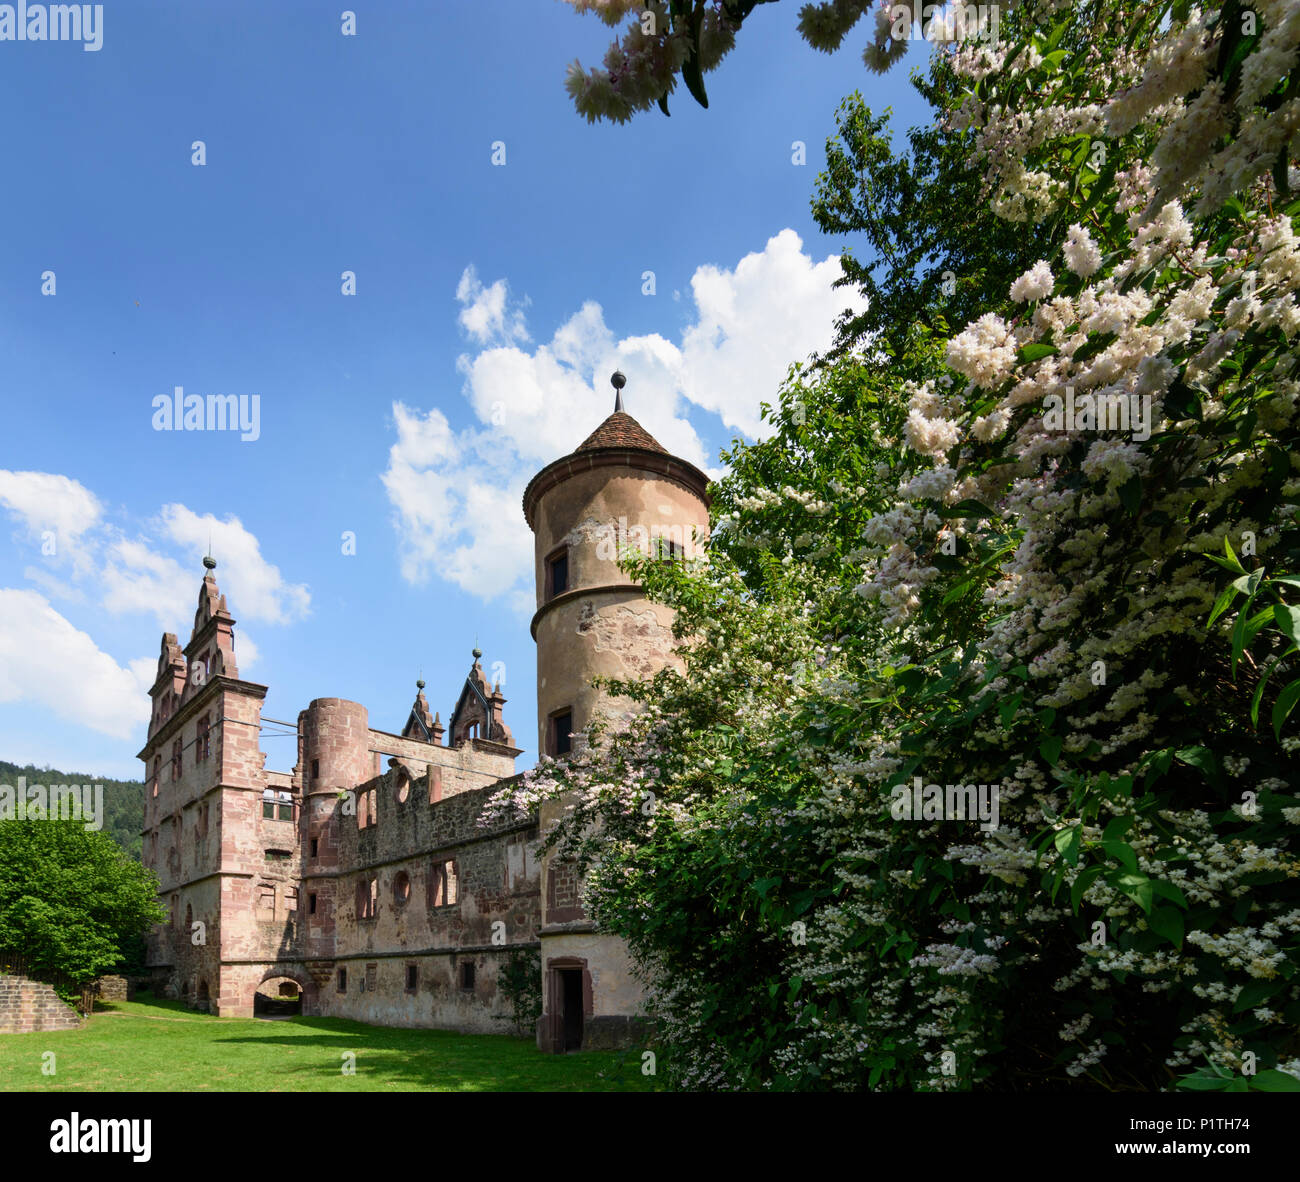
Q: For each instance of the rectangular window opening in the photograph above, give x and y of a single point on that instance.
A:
(446, 888)
(558, 566)
(561, 733)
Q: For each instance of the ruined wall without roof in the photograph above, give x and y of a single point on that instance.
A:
(411, 852)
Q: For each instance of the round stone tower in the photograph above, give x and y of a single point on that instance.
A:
(618, 489)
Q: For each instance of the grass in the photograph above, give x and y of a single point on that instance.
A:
(160, 1046)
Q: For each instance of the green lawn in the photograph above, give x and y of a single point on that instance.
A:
(160, 1046)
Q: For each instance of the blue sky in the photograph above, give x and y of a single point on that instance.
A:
(492, 302)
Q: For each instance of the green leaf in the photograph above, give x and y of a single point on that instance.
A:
(1169, 890)
(1288, 619)
(1285, 703)
(1254, 993)
(1202, 759)
(1122, 852)
(1275, 1081)
(1067, 843)
(1050, 749)
(1035, 351)
(1116, 827)
(1130, 494)
(1138, 887)
(1258, 695)
(1081, 883)
(1167, 922)
(1221, 605)
(967, 508)
(1233, 563)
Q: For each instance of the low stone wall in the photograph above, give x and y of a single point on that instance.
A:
(112, 988)
(27, 1005)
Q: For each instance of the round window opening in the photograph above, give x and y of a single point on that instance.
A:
(403, 786)
(401, 888)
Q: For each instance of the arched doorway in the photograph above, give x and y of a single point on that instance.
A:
(282, 995)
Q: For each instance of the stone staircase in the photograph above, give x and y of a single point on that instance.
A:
(27, 1005)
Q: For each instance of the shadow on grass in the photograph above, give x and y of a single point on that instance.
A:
(444, 1060)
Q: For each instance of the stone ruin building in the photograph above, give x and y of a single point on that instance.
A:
(359, 880)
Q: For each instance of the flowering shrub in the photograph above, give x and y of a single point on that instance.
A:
(983, 557)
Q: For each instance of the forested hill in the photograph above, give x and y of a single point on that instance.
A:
(123, 799)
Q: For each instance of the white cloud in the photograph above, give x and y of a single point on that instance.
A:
(262, 592)
(137, 574)
(776, 307)
(484, 314)
(46, 660)
(44, 500)
(53, 586)
(456, 494)
(56, 512)
(457, 505)
(138, 577)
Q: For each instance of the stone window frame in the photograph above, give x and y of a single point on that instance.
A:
(177, 759)
(412, 977)
(341, 981)
(553, 559)
(203, 739)
(401, 897)
(446, 882)
(367, 808)
(367, 899)
(262, 894)
(311, 902)
(466, 969)
(275, 803)
(553, 732)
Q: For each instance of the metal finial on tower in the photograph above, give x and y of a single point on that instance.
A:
(210, 562)
(618, 381)
(419, 684)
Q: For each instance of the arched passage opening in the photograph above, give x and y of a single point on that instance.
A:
(284, 995)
